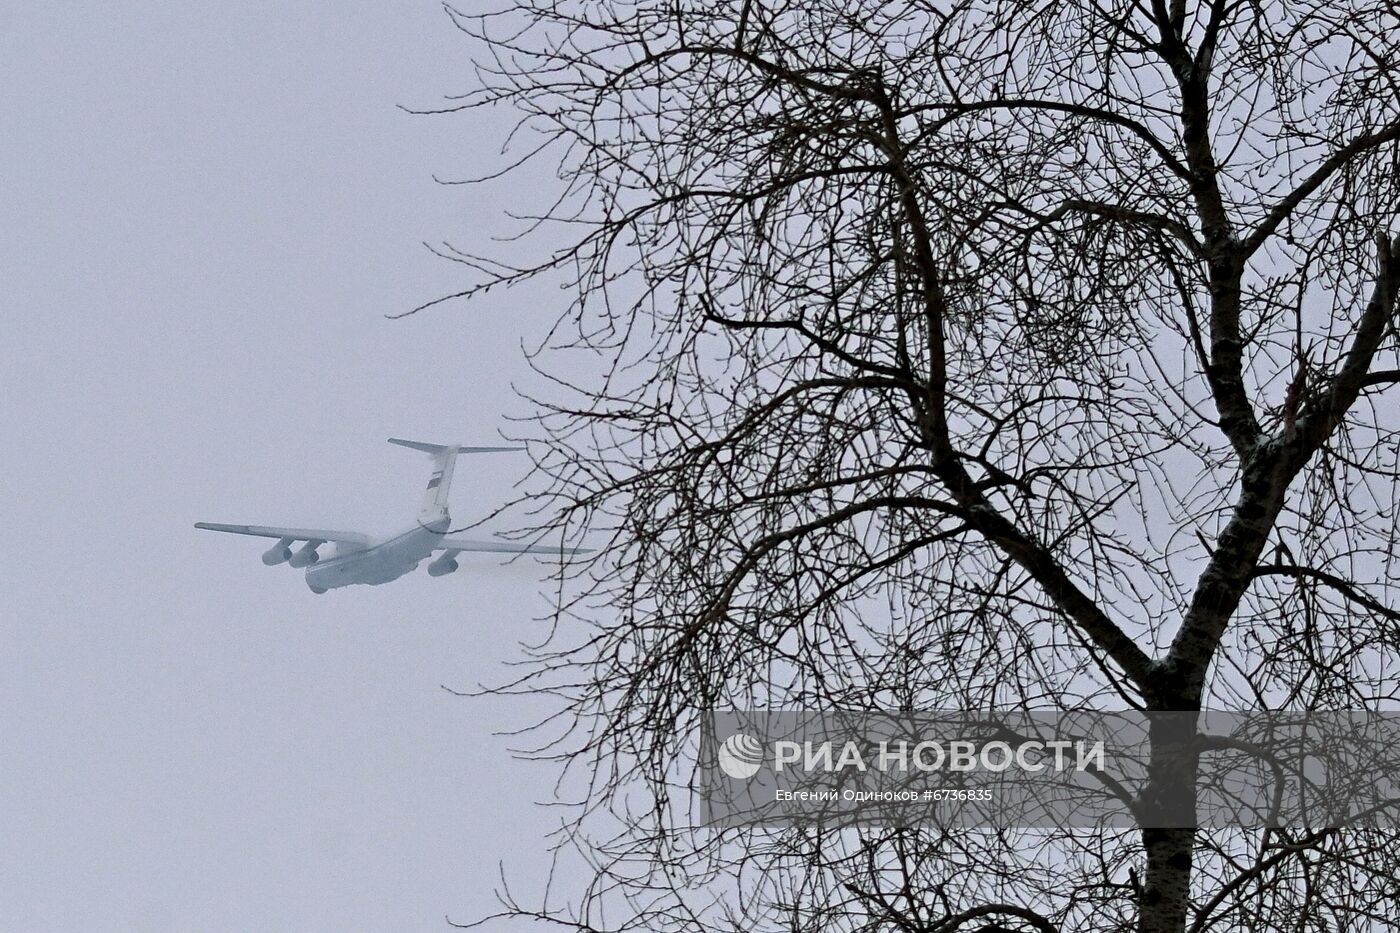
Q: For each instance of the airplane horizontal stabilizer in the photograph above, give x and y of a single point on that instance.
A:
(436, 449)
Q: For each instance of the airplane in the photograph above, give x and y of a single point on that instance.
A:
(353, 557)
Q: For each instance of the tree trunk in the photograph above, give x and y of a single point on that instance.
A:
(1167, 887)
(1168, 814)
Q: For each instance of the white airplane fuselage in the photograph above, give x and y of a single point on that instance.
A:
(380, 562)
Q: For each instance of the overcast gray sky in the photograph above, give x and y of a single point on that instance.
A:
(208, 209)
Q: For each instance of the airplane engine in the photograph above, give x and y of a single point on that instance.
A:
(443, 565)
(306, 556)
(279, 553)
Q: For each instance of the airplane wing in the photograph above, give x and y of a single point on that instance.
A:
(454, 543)
(352, 538)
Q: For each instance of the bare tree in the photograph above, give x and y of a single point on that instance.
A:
(962, 354)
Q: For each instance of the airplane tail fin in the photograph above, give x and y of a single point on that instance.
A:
(434, 506)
